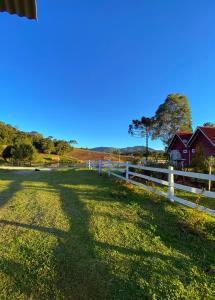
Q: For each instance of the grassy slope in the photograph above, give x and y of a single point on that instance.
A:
(82, 154)
(76, 155)
(74, 235)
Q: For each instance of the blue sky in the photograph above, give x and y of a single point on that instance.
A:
(85, 70)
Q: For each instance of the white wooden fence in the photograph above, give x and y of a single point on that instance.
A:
(112, 167)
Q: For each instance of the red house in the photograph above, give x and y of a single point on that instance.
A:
(178, 148)
(184, 145)
(203, 137)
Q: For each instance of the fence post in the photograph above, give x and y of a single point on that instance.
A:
(171, 183)
(126, 170)
(109, 167)
(99, 167)
(209, 182)
(89, 165)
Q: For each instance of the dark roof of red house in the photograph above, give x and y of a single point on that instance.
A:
(209, 133)
(183, 136)
(23, 8)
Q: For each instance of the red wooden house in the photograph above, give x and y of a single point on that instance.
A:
(203, 137)
(184, 145)
(178, 149)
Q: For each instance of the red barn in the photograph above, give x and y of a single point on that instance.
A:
(178, 149)
(203, 137)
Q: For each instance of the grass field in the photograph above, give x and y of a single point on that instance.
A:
(82, 154)
(75, 156)
(74, 235)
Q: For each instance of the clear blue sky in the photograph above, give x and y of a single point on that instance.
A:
(86, 68)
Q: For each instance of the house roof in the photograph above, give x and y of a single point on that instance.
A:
(23, 8)
(184, 137)
(208, 132)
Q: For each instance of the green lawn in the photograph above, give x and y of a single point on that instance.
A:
(75, 235)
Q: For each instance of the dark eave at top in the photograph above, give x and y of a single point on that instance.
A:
(22, 8)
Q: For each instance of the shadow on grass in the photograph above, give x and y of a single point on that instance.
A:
(81, 275)
(81, 272)
(13, 187)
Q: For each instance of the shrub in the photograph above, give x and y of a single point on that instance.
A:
(198, 161)
(210, 162)
(8, 153)
(24, 152)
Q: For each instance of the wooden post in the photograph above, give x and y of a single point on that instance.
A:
(209, 182)
(171, 184)
(109, 167)
(99, 167)
(126, 170)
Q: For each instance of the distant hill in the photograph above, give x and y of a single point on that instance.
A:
(103, 149)
(128, 150)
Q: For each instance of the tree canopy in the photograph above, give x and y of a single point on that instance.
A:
(16, 141)
(209, 124)
(172, 116)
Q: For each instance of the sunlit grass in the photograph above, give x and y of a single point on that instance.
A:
(75, 235)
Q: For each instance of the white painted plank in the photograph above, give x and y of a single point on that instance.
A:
(177, 199)
(116, 175)
(195, 175)
(119, 170)
(194, 190)
(159, 170)
(194, 205)
(164, 182)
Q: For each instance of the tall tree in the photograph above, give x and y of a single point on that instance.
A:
(62, 147)
(209, 124)
(47, 146)
(172, 116)
(142, 128)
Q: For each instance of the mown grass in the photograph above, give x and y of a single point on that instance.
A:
(74, 235)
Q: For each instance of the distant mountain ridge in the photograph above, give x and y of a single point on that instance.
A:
(122, 150)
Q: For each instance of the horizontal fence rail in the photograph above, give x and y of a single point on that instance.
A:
(122, 171)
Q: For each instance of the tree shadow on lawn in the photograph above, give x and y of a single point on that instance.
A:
(6, 195)
(82, 273)
(195, 251)
(93, 274)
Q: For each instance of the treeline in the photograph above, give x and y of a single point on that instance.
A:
(20, 146)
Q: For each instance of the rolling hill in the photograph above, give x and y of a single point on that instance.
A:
(84, 155)
(127, 150)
